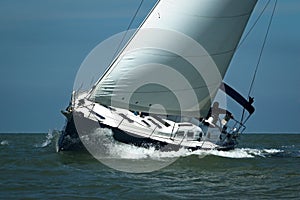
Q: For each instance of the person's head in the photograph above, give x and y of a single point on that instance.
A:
(216, 104)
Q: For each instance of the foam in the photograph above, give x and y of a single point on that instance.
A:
(125, 151)
(4, 142)
(48, 141)
(106, 147)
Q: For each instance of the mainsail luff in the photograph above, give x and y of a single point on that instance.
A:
(189, 41)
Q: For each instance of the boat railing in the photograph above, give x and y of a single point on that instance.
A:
(235, 127)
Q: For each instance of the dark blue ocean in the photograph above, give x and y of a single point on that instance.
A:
(264, 166)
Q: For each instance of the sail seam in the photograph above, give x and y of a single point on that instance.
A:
(160, 91)
(177, 56)
(220, 17)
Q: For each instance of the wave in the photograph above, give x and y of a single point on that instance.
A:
(130, 158)
(250, 153)
(102, 145)
(49, 138)
(105, 146)
(132, 152)
(4, 142)
(133, 159)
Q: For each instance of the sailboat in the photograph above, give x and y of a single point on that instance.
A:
(160, 90)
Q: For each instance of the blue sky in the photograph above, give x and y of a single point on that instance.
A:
(43, 43)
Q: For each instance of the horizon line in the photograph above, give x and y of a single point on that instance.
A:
(252, 132)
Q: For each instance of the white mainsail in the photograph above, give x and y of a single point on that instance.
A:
(175, 62)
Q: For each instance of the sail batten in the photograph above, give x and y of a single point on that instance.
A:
(177, 58)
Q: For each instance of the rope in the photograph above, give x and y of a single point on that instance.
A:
(119, 46)
(260, 54)
(254, 24)
(262, 49)
(130, 24)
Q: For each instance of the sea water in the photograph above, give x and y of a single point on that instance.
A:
(264, 166)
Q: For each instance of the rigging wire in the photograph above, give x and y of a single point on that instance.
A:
(259, 58)
(129, 26)
(262, 49)
(120, 43)
(254, 24)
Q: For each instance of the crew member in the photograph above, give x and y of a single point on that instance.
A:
(215, 111)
